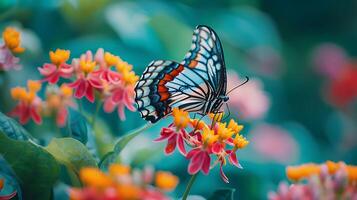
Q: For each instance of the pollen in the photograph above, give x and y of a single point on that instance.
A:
(110, 59)
(34, 86)
(166, 180)
(12, 40)
(181, 118)
(240, 142)
(87, 66)
(59, 56)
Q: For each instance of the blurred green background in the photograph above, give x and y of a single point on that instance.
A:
(273, 42)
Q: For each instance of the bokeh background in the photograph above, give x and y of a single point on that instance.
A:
(300, 105)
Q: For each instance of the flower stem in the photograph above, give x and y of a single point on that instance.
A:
(189, 185)
(99, 104)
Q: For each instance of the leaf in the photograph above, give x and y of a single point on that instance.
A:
(78, 126)
(223, 194)
(73, 154)
(120, 145)
(36, 169)
(13, 129)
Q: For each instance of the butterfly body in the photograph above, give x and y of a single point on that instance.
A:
(197, 84)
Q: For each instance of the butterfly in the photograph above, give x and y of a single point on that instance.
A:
(197, 84)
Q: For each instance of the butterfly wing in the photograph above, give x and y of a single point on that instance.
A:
(192, 85)
(206, 58)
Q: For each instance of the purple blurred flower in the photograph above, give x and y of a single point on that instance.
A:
(329, 60)
(250, 100)
(274, 143)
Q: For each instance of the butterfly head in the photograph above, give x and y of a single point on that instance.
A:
(224, 98)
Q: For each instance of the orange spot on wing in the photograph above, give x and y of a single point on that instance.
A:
(193, 64)
(162, 89)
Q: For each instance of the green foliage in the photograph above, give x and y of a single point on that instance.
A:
(12, 184)
(72, 154)
(13, 129)
(36, 169)
(223, 194)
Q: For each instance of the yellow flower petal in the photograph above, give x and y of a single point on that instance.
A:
(59, 56)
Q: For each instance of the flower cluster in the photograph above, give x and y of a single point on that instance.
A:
(122, 182)
(103, 75)
(326, 181)
(217, 139)
(10, 47)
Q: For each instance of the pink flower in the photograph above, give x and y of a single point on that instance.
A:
(121, 97)
(26, 111)
(7, 60)
(106, 61)
(58, 68)
(250, 100)
(174, 138)
(199, 160)
(52, 73)
(274, 143)
(329, 60)
(87, 78)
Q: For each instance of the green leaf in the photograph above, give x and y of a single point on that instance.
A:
(13, 129)
(35, 167)
(120, 145)
(223, 194)
(78, 126)
(72, 154)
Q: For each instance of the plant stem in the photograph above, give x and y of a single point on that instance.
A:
(80, 106)
(99, 104)
(189, 185)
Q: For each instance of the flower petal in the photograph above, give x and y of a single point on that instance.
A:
(171, 144)
(223, 176)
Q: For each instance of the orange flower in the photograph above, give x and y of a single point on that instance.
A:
(181, 118)
(119, 170)
(87, 66)
(91, 176)
(223, 132)
(129, 77)
(59, 56)
(332, 166)
(234, 126)
(296, 173)
(240, 142)
(166, 180)
(111, 59)
(128, 191)
(217, 117)
(208, 136)
(12, 40)
(352, 173)
(66, 90)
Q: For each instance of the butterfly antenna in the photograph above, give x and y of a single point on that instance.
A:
(246, 81)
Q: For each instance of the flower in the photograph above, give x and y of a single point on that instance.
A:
(58, 68)
(121, 183)
(57, 102)
(205, 141)
(266, 136)
(12, 40)
(106, 61)
(29, 104)
(329, 180)
(10, 47)
(87, 78)
(329, 60)
(166, 180)
(251, 100)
